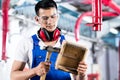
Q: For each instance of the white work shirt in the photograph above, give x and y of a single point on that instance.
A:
(23, 51)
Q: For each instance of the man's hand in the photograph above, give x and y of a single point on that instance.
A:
(42, 68)
(82, 67)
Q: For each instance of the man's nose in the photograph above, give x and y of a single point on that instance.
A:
(50, 20)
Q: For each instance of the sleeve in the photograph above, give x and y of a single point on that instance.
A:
(21, 52)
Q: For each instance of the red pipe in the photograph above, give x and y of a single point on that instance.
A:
(97, 16)
(112, 5)
(86, 2)
(110, 14)
(106, 2)
(79, 20)
(5, 6)
(119, 61)
(77, 25)
(97, 20)
(94, 76)
(109, 3)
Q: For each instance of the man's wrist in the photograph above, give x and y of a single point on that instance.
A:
(81, 76)
(34, 71)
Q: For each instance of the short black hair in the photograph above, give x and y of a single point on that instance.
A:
(45, 4)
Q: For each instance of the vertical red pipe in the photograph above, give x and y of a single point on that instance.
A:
(97, 15)
(119, 60)
(5, 6)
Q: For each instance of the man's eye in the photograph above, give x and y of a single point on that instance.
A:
(53, 16)
(45, 18)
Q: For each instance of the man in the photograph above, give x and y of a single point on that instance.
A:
(29, 50)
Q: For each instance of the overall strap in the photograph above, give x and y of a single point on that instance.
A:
(62, 38)
(35, 39)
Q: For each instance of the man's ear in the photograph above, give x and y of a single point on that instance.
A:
(36, 18)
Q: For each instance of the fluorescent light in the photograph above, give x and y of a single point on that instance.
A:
(20, 2)
(69, 6)
(87, 19)
(114, 31)
(10, 12)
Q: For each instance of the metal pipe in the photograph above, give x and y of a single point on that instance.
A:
(112, 5)
(107, 64)
(109, 3)
(119, 60)
(79, 21)
(5, 6)
(97, 15)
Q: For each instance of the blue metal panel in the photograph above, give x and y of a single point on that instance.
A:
(65, 10)
(110, 39)
(0, 4)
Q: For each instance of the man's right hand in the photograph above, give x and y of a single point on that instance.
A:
(42, 68)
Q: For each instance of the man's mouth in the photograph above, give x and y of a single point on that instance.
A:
(50, 27)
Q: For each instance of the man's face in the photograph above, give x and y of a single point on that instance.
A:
(48, 18)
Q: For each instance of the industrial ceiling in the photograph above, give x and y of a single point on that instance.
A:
(72, 9)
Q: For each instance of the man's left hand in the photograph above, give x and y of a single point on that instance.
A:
(82, 67)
